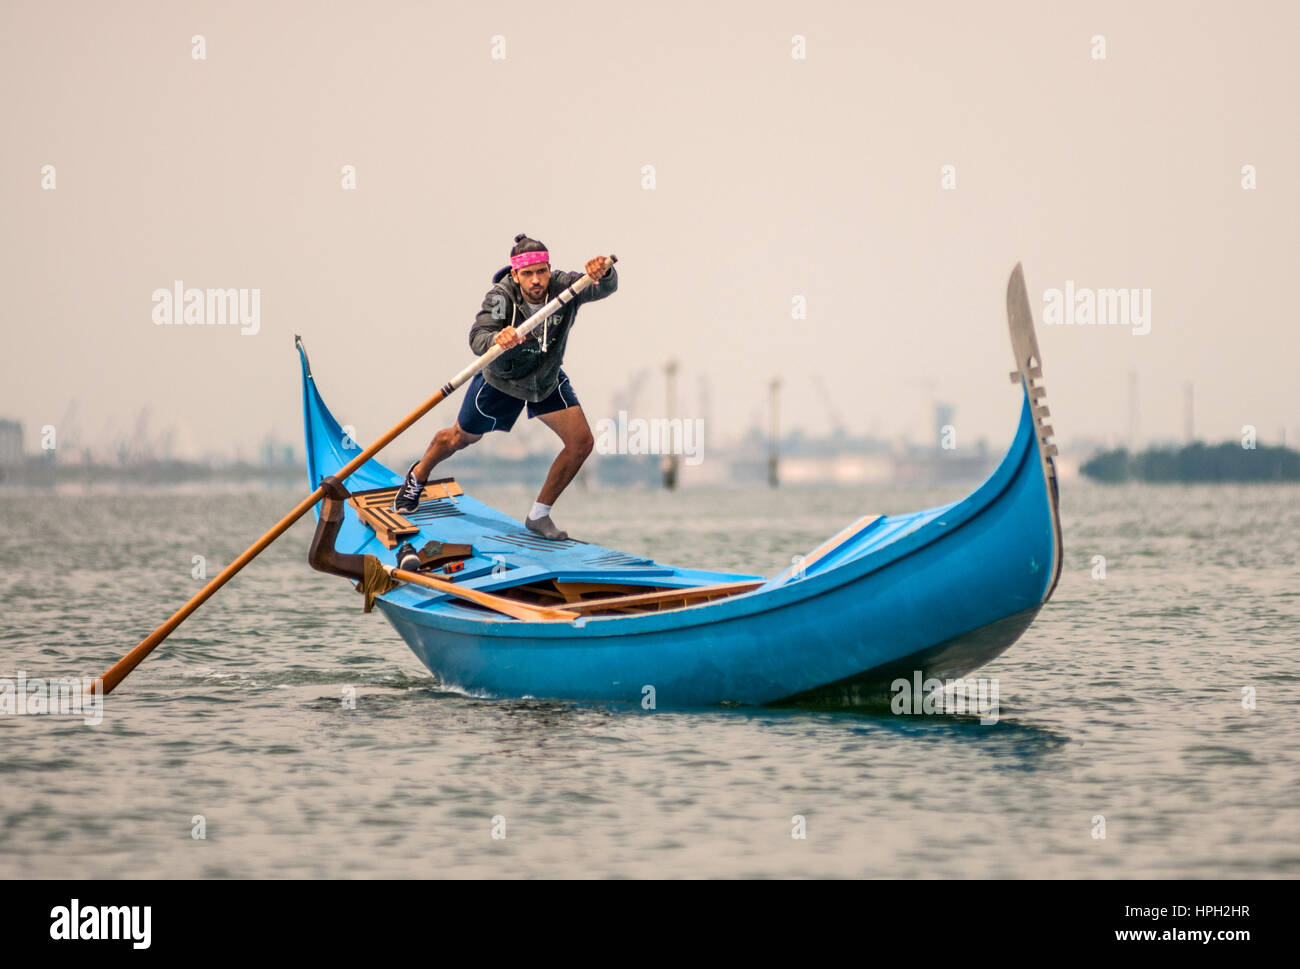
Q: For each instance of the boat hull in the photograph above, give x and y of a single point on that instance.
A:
(948, 607)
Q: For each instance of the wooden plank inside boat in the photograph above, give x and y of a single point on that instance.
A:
(664, 599)
(588, 598)
(375, 509)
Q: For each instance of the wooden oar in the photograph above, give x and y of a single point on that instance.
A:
(687, 594)
(119, 670)
(519, 610)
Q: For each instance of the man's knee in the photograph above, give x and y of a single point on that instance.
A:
(455, 438)
(583, 446)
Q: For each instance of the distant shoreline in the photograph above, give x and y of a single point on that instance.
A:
(1198, 463)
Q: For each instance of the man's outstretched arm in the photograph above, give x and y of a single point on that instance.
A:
(606, 281)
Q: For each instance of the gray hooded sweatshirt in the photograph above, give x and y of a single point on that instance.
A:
(530, 371)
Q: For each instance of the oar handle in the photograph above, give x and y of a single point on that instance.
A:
(119, 670)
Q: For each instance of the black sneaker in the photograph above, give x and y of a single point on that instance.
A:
(407, 557)
(408, 496)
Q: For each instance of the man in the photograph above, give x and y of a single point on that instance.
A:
(528, 372)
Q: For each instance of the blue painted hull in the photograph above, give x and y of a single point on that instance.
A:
(763, 647)
(942, 591)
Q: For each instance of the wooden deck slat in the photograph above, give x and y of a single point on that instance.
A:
(375, 509)
(686, 596)
(828, 546)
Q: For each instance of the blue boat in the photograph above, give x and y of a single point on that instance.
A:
(938, 592)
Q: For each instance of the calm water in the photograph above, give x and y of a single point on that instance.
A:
(1123, 700)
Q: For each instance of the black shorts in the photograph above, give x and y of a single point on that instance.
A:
(487, 409)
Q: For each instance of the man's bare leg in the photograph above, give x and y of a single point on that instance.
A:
(444, 444)
(571, 426)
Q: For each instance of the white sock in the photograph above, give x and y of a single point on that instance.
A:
(539, 511)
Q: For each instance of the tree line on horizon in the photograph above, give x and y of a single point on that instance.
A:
(1196, 463)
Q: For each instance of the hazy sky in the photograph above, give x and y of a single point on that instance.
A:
(774, 177)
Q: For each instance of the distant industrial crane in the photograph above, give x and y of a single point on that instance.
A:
(626, 398)
(773, 459)
(837, 425)
(669, 464)
(63, 436)
(141, 448)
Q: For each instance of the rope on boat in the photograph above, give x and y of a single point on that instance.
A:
(375, 582)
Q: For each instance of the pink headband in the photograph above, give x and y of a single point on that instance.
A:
(529, 258)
